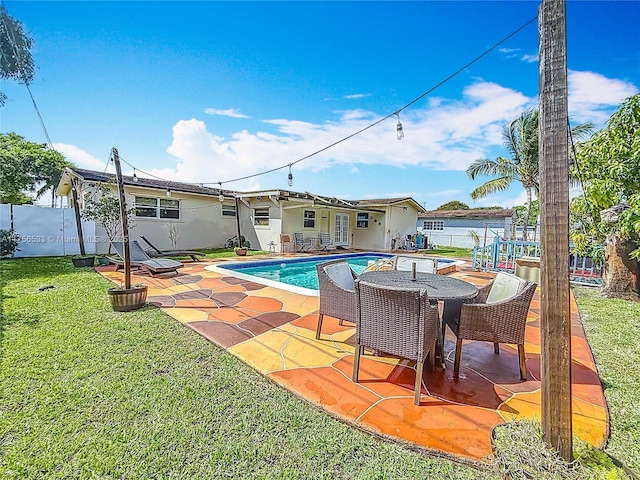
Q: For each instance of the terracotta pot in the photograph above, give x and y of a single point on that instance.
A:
(241, 252)
(127, 299)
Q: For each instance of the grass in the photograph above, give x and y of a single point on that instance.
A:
(612, 327)
(449, 251)
(89, 393)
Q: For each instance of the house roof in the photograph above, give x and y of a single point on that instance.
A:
(370, 205)
(379, 202)
(472, 213)
(93, 176)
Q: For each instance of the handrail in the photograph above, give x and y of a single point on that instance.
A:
(501, 255)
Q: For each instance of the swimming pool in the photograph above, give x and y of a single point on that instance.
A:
(298, 274)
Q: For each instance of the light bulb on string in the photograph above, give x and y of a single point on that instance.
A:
(399, 132)
(221, 196)
(135, 177)
(290, 177)
(168, 192)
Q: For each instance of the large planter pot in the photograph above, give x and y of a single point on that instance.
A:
(83, 261)
(241, 252)
(127, 299)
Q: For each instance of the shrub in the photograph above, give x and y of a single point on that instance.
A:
(8, 243)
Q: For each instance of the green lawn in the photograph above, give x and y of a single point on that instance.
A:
(89, 393)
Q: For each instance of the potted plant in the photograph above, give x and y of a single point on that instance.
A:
(242, 248)
(83, 261)
(240, 251)
(127, 299)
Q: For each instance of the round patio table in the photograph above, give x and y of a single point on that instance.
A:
(438, 287)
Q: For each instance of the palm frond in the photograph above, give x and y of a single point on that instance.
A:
(492, 186)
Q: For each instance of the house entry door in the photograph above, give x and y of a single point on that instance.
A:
(341, 232)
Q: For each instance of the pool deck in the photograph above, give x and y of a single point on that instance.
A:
(273, 331)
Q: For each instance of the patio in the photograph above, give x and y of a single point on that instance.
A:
(273, 331)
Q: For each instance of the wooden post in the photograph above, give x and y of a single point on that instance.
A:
(555, 317)
(238, 222)
(76, 208)
(123, 217)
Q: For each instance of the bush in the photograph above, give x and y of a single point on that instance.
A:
(8, 243)
(233, 242)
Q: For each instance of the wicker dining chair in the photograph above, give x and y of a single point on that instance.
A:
(423, 264)
(499, 321)
(337, 292)
(398, 322)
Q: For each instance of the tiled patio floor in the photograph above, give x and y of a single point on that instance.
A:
(274, 331)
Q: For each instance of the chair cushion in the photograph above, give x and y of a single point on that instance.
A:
(424, 265)
(505, 286)
(341, 274)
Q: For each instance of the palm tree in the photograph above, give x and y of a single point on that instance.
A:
(520, 137)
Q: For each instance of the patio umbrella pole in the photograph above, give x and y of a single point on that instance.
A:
(123, 217)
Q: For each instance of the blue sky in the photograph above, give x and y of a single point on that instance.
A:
(212, 91)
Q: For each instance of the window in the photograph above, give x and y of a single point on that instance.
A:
(362, 221)
(433, 225)
(149, 207)
(261, 216)
(309, 219)
(228, 210)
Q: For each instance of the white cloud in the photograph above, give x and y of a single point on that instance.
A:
(356, 96)
(529, 58)
(79, 157)
(441, 134)
(230, 112)
(355, 170)
(594, 97)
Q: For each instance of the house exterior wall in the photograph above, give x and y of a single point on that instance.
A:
(260, 236)
(401, 223)
(201, 223)
(456, 230)
(373, 236)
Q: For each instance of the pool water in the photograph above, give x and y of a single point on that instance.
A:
(302, 272)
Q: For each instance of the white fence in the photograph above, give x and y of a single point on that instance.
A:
(46, 231)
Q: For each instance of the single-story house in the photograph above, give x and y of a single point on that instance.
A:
(457, 228)
(207, 217)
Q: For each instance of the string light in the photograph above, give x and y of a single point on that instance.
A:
(399, 132)
(168, 192)
(135, 177)
(221, 196)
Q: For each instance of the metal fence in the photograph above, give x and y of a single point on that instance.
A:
(501, 255)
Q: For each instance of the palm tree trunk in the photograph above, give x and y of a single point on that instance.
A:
(621, 274)
(525, 228)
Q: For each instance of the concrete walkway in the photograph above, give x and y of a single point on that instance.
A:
(273, 331)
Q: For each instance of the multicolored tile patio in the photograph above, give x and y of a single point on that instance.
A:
(273, 331)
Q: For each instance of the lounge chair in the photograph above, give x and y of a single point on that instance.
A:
(286, 244)
(139, 259)
(300, 244)
(156, 252)
(326, 243)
